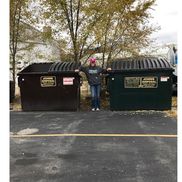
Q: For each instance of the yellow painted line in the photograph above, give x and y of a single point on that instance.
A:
(93, 135)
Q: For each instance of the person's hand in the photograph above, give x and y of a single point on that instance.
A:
(77, 70)
(109, 69)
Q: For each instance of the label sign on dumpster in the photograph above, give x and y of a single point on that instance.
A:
(164, 78)
(140, 82)
(48, 81)
(149, 82)
(131, 82)
(68, 80)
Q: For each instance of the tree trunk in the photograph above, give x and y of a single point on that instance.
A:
(76, 56)
(14, 67)
(75, 52)
(14, 73)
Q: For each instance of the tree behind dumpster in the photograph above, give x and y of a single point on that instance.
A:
(112, 26)
(21, 17)
(124, 29)
(68, 18)
(15, 16)
(16, 9)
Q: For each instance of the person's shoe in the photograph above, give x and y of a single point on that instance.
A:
(93, 109)
(97, 109)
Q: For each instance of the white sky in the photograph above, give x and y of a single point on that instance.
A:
(166, 16)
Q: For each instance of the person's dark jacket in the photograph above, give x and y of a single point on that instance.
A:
(93, 74)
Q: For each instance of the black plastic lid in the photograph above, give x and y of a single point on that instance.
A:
(57, 67)
(140, 64)
(64, 66)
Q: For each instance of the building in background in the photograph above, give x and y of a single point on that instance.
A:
(34, 47)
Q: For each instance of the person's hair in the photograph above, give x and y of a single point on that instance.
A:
(92, 60)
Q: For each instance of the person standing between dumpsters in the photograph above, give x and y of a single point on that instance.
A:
(93, 74)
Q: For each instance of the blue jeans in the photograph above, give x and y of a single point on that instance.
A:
(95, 94)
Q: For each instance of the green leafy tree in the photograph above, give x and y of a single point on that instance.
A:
(124, 28)
(71, 20)
(15, 19)
(22, 33)
(114, 26)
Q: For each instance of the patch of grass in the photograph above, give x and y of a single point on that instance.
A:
(173, 111)
(174, 101)
(16, 105)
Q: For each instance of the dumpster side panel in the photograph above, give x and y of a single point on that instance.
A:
(123, 98)
(55, 96)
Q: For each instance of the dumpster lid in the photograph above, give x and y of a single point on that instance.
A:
(57, 67)
(36, 68)
(140, 64)
(64, 67)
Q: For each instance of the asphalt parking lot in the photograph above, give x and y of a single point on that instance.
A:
(93, 147)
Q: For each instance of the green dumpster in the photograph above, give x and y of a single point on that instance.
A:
(143, 83)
